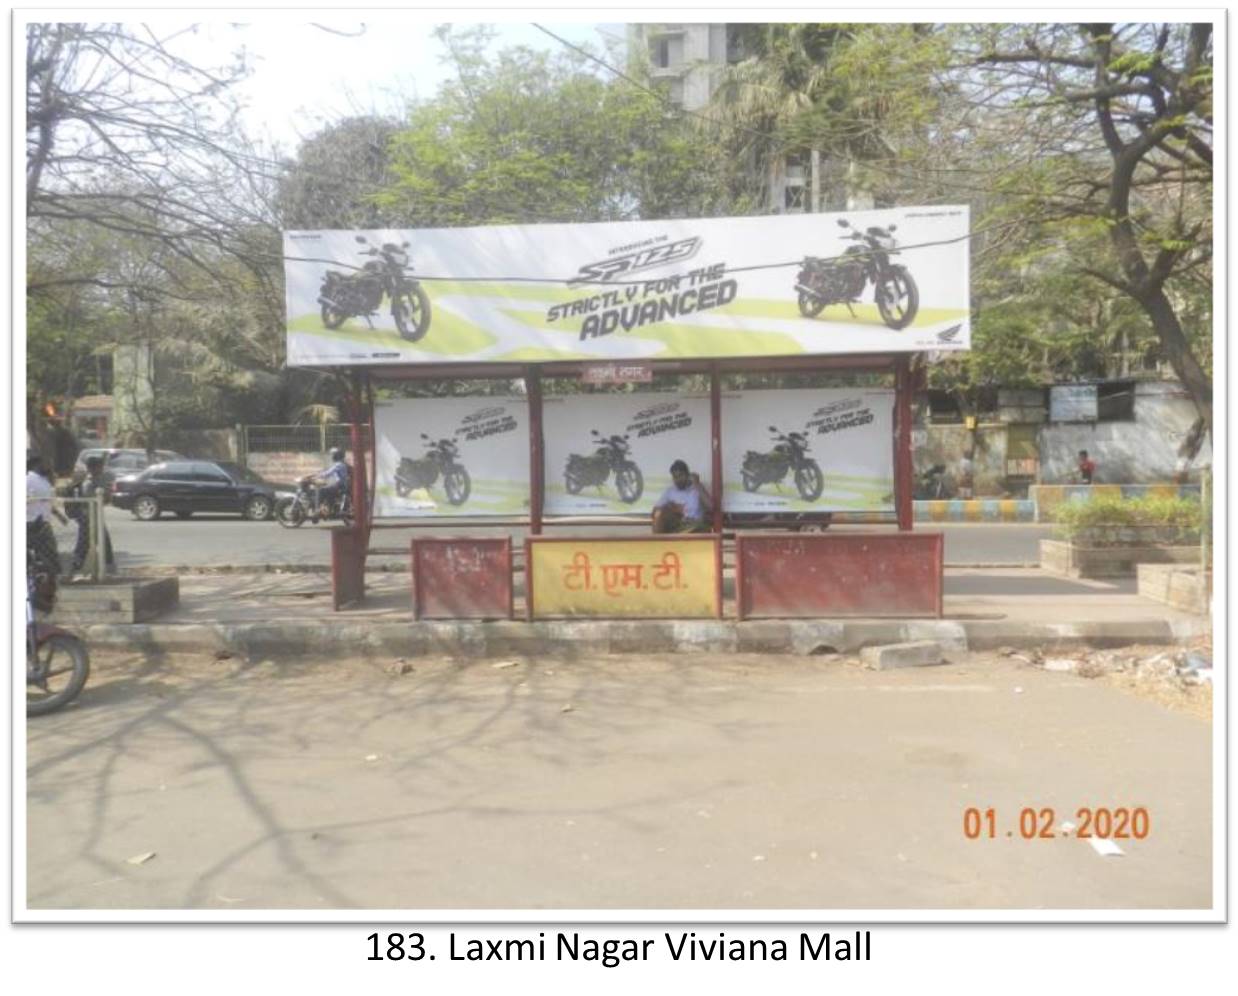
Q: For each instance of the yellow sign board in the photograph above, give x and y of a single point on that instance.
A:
(660, 577)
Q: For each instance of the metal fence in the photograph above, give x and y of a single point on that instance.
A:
(92, 510)
(300, 438)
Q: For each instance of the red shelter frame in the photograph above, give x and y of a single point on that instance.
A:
(361, 402)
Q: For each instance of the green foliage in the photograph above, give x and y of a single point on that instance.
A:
(534, 137)
(1104, 517)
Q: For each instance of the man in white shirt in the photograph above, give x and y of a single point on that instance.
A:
(40, 508)
(684, 507)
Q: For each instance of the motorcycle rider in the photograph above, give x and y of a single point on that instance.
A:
(684, 506)
(332, 483)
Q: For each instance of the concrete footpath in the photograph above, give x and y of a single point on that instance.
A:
(283, 614)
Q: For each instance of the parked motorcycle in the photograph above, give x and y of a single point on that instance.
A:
(57, 662)
(441, 459)
(348, 295)
(790, 453)
(932, 485)
(291, 511)
(842, 279)
(611, 456)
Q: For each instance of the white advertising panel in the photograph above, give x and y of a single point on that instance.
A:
(822, 450)
(611, 454)
(893, 280)
(451, 457)
(1072, 403)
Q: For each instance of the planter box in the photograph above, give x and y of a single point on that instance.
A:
(1075, 561)
(115, 600)
(1135, 536)
(1183, 587)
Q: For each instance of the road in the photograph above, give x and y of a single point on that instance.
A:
(229, 540)
(665, 782)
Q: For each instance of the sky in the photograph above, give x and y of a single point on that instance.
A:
(312, 69)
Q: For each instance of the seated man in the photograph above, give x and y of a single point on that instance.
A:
(685, 506)
(332, 482)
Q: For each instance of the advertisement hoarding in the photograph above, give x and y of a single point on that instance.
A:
(819, 450)
(610, 454)
(451, 457)
(893, 280)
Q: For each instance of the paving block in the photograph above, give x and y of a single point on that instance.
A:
(919, 653)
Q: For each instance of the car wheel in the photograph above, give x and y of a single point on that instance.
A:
(146, 508)
(258, 508)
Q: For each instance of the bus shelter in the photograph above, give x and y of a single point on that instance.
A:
(698, 298)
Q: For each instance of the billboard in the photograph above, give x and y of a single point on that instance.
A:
(819, 450)
(610, 454)
(451, 457)
(893, 280)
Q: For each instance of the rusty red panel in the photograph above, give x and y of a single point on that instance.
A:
(844, 574)
(348, 550)
(462, 578)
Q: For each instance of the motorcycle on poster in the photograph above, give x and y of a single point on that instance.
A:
(826, 450)
(611, 454)
(451, 457)
(895, 280)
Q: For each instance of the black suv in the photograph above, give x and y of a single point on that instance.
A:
(188, 486)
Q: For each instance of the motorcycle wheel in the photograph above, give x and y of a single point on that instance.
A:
(289, 512)
(401, 488)
(58, 674)
(750, 481)
(573, 483)
(898, 298)
(457, 485)
(809, 481)
(411, 310)
(630, 483)
(332, 318)
(810, 307)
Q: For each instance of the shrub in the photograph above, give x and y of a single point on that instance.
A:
(1108, 515)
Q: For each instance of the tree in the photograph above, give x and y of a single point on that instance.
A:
(1122, 116)
(336, 176)
(534, 137)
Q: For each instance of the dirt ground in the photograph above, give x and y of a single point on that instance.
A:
(671, 782)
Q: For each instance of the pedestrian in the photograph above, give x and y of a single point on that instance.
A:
(1087, 467)
(88, 487)
(40, 508)
(684, 505)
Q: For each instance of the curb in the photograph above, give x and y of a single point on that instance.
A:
(576, 638)
(401, 567)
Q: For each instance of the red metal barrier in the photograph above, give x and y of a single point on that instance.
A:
(843, 574)
(348, 550)
(462, 578)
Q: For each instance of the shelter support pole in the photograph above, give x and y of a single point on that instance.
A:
(360, 476)
(715, 438)
(537, 461)
(903, 387)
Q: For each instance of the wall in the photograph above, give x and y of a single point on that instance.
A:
(286, 468)
(1143, 451)
(945, 444)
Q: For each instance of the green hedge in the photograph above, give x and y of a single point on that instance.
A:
(1182, 514)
